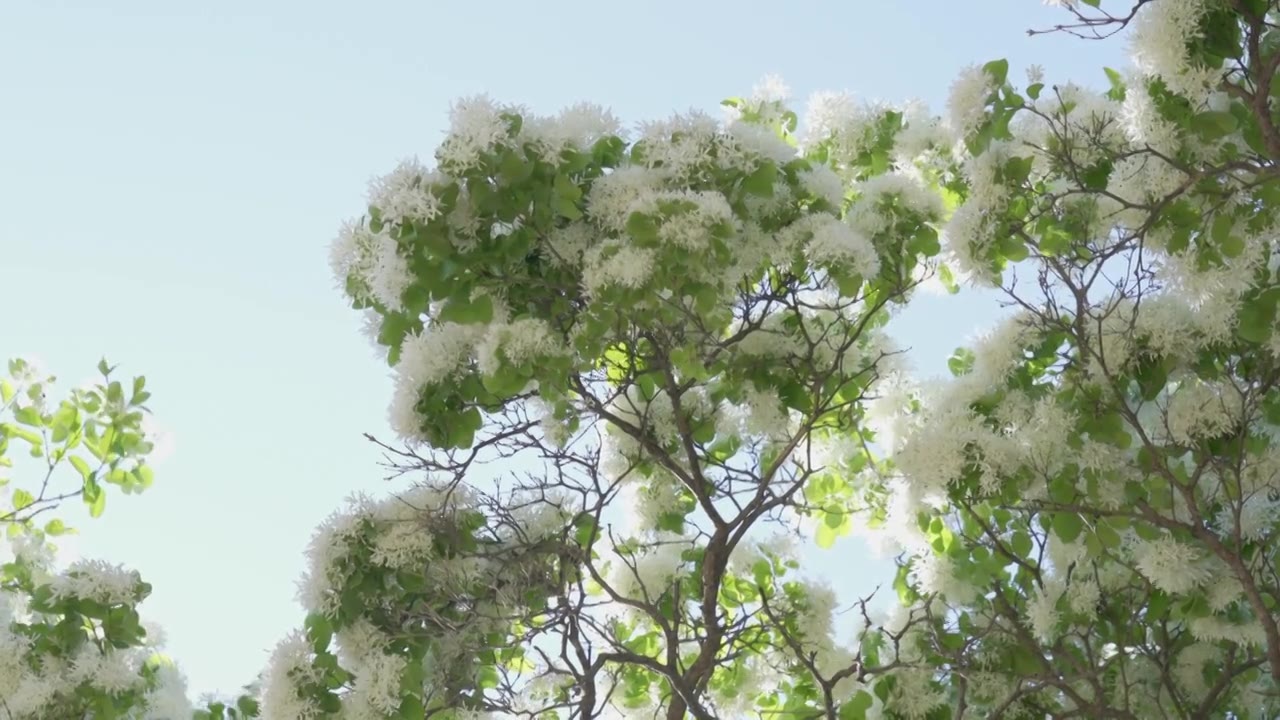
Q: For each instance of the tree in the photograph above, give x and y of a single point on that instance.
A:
(1088, 514)
(688, 323)
(676, 346)
(72, 644)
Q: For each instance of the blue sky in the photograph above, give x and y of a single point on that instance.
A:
(171, 174)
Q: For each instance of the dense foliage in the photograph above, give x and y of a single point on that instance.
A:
(635, 371)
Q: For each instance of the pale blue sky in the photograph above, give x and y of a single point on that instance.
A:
(171, 174)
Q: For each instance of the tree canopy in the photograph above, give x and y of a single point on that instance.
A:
(637, 371)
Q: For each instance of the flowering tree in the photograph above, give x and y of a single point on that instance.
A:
(668, 340)
(1088, 513)
(671, 346)
(72, 644)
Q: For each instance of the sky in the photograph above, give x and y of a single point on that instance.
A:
(171, 174)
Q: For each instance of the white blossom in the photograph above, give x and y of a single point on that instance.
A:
(1159, 38)
(97, 580)
(406, 193)
(838, 243)
(614, 262)
(966, 105)
(1172, 566)
(476, 127)
(824, 183)
(291, 658)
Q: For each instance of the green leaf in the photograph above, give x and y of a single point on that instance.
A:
(1096, 176)
(1017, 169)
(1021, 543)
(411, 708)
(1107, 535)
(474, 311)
(825, 536)
(144, 476)
(1214, 124)
(513, 167)
(95, 497)
(488, 678)
(1067, 526)
(1118, 89)
(1257, 316)
(961, 362)
(81, 467)
(55, 528)
(857, 706)
(998, 70)
(1033, 90)
(22, 499)
(319, 631)
(28, 416)
(760, 182)
(7, 391)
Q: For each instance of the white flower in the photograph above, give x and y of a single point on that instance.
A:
(1200, 410)
(935, 573)
(1142, 122)
(1158, 46)
(1042, 610)
(97, 580)
(476, 127)
(685, 218)
(402, 413)
(1216, 629)
(967, 235)
(762, 141)
(885, 196)
(168, 700)
(915, 695)
(614, 262)
(518, 342)
(681, 144)
(657, 565)
(1083, 596)
(966, 105)
(13, 649)
(566, 246)
(815, 621)
(577, 127)
(837, 242)
(291, 659)
(1170, 565)
(327, 547)
(1189, 668)
(612, 196)
(388, 274)
(31, 551)
(405, 194)
(1258, 517)
(1035, 74)
(824, 183)
(435, 354)
(771, 88)
(848, 127)
(660, 496)
(373, 262)
(109, 671)
(921, 135)
(764, 414)
(378, 685)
